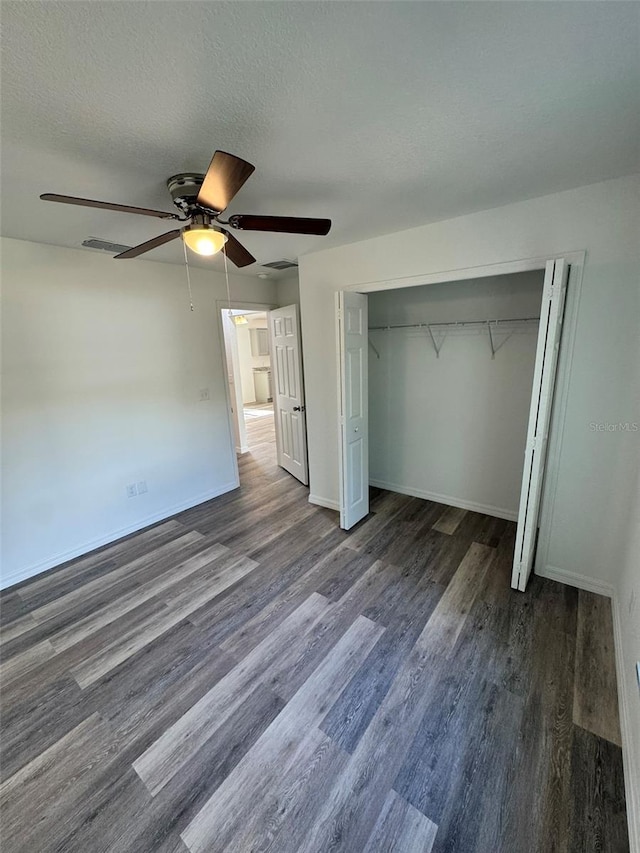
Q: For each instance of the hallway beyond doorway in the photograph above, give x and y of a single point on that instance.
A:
(258, 410)
(261, 435)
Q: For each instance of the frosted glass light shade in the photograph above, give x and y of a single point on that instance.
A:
(204, 240)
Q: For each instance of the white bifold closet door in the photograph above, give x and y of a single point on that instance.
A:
(352, 334)
(551, 313)
(288, 396)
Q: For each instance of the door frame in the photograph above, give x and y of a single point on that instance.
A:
(576, 262)
(236, 305)
(234, 375)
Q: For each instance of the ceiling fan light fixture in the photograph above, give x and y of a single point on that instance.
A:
(200, 200)
(203, 239)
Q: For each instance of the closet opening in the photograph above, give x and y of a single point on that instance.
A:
(450, 377)
(446, 391)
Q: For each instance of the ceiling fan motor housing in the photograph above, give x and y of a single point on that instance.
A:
(184, 189)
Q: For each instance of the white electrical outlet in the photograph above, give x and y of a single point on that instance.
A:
(131, 490)
(142, 487)
(204, 394)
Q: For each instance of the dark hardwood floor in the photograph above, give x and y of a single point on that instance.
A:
(248, 677)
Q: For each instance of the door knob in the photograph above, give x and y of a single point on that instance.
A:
(298, 408)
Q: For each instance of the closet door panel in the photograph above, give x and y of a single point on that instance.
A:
(352, 340)
(549, 331)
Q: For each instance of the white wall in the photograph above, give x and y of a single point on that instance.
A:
(627, 615)
(103, 363)
(453, 428)
(591, 499)
(288, 290)
(589, 532)
(627, 624)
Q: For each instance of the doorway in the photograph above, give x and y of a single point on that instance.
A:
(355, 347)
(250, 381)
(263, 356)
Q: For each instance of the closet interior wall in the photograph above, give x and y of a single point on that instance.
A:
(452, 427)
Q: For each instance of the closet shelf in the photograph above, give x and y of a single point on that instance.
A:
(443, 329)
(458, 323)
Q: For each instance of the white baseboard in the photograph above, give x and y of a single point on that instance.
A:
(631, 772)
(325, 502)
(485, 509)
(79, 550)
(577, 580)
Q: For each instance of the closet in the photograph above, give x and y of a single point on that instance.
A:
(450, 377)
(458, 399)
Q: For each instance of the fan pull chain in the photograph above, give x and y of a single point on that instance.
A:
(226, 275)
(186, 266)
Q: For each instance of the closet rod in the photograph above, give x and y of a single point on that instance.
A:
(453, 324)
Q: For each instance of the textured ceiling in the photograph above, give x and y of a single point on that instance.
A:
(381, 115)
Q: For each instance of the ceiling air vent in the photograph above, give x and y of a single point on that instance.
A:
(284, 264)
(104, 245)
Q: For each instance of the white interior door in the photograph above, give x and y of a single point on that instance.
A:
(234, 382)
(288, 391)
(551, 313)
(352, 331)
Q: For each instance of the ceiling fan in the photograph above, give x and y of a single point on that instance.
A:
(201, 199)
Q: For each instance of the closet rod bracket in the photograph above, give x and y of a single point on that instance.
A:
(492, 326)
(434, 342)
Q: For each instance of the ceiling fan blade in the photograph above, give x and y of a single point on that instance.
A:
(236, 252)
(107, 205)
(150, 244)
(225, 175)
(284, 224)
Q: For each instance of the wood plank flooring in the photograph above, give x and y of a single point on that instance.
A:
(248, 677)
